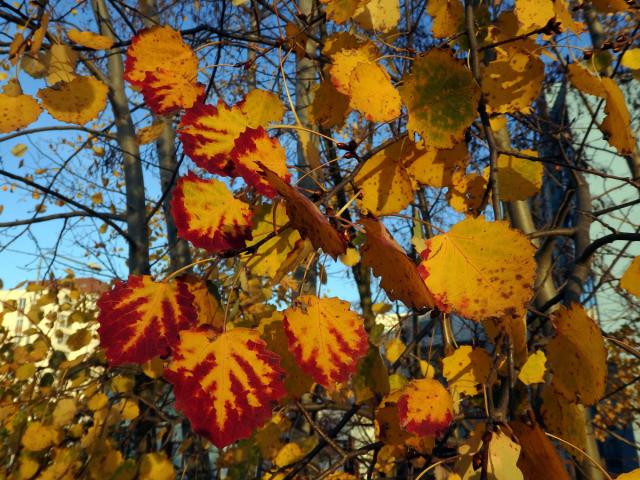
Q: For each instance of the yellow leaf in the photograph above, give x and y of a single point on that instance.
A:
(208, 215)
(467, 369)
(27, 467)
(156, 466)
(98, 401)
(208, 309)
(153, 368)
(77, 101)
(64, 412)
(226, 385)
(563, 418)
(427, 369)
(631, 59)
(385, 185)
(61, 61)
(26, 371)
(378, 15)
(632, 475)
(441, 97)
(122, 384)
(329, 107)
(533, 14)
(435, 167)
(344, 63)
(38, 437)
(397, 381)
(518, 178)
(373, 94)
(630, 280)
(96, 198)
(19, 149)
(576, 356)
(17, 112)
(90, 39)
(326, 338)
(289, 453)
(150, 133)
(351, 257)
(341, 10)
(480, 269)
(393, 349)
(466, 192)
(534, 368)
(503, 455)
(447, 17)
(127, 408)
(425, 407)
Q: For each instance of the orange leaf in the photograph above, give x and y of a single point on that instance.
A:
(164, 68)
(305, 217)
(208, 133)
(227, 385)
(90, 39)
(326, 337)
(140, 318)
(252, 147)
(398, 274)
(207, 214)
(425, 407)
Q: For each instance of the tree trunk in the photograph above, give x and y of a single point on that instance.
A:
(128, 143)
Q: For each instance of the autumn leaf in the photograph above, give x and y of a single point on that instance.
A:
(519, 178)
(342, 10)
(90, 39)
(467, 369)
(329, 107)
(61, 62)
(373, 94)
(399, 276)
(208, 215)
(344, 62)
(447, 17)
(533, 14)
(208, 309)
(378, 15)
(150, 133)
(140, 318)
(480, 269)
(165, 92)
(436, 167)
(538, 457)
(425, 407)
(305, 217)
(208, 133)
(253, 147)
(17, 111)
(534, 368)
(225, 385)
(630, 280)
(77, 101)
(326, 338)
(576, 356)
(502, 456)
(563, 418)
(441, 97)
(156, 466)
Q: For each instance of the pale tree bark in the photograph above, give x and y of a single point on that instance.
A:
(126, 137)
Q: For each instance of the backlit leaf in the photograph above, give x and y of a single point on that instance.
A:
(208, 309)
(61, 62)
(254, 146)
(326, 338)
(467, 191)
(373, 94)
(38, 437)
(344, 63)
(305, 217)
(385, 185)
(140, 318)
(208, 215)
(576, 356)
(150, 133)
(441, 97)
(208, 133)
(399, 276)
(502, 457)
(77, 101)
(90, 39)
(17, 112)
(534, 368)
(533, 14)
(425, 407)
(165, 92)
(378, 15)
(480, 269)
(225, 385)
(467, 369)
(630, 280)
(435, 167)
(447, 17)
(563, 418)
(518, 178)
(272, 331)
(156, 466)
(281, 254)
(329, 107)
(631, 59)
(342, 10)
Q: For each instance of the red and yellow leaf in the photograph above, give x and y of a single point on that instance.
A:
(326, 338)
(164, 91)
(208, 215)
(252, 147)
(425, 407)
(208, 133)
(305, 217)
(399, 276)
(140, 318)
(225, 385)
(208, 309)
